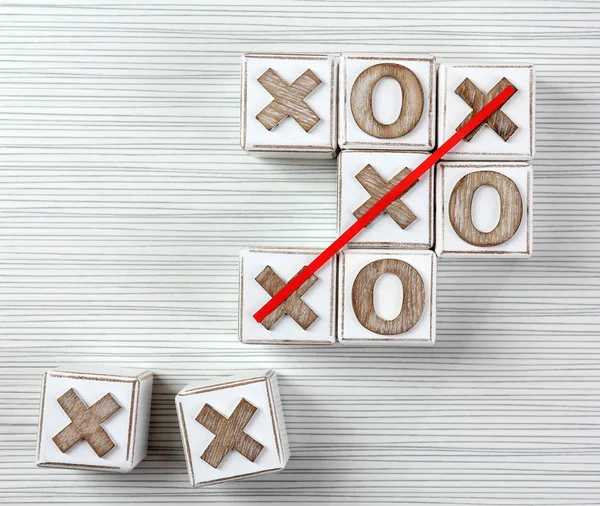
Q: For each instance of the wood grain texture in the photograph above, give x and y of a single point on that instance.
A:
(125, 200)
(371, 181)
(288, 100)
(293, 306)
(361, 100)
(229, 433)
(460, 208)
(413, 297)
(86, 423)
(498, 121)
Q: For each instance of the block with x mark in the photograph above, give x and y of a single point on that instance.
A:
(508, 133)
(474, 97)
(364, 177)
(232, 428)
(293, 306)
(86, 423)
(229, 433)
(288, 100)
(377, 187)
(289, 105)
(306, 317)
(94, 418)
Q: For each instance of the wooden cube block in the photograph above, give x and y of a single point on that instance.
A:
(94, 418)
(508, 134)
(387, 102)
(305, 318)
(288, 105)
(363, 178)
(483, 209)
(387, 297)
(232, 428)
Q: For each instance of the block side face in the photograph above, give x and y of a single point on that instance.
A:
(486, 144)
(38, 460)
(451, 244)
(279, 420)
(352, 331)
(319, 298)
(261, 428)
(384, 231)
(119, 426)
(142, 421)
(421, 137)
(288, 138)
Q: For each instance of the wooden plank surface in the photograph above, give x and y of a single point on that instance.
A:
(125, 198)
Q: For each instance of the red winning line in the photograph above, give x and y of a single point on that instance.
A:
(297, 281)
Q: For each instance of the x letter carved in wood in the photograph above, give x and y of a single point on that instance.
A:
(497, 121)
(289, 100)
(86, 422)
(293, 305)
(229, 433)
(377, 188)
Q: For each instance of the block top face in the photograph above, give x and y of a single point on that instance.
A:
(387, 302)
(293, 327)
(96, 370)
(288, 105)
(120, 426)
(387, 102)
(264, 427)
(485, 212)
(462, 87)
(357, 169)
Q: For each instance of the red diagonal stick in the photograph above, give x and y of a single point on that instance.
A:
(382, 204)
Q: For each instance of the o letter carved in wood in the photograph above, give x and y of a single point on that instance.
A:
(413, 300)
(361, 100)
(461, 203)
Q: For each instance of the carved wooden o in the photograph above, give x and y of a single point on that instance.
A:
(413, 300)
(361, 100)
(461, 203)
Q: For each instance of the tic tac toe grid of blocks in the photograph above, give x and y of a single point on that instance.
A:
(382, 116)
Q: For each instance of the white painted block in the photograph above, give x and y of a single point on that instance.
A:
(384, 231)
(520, 109)
(265, 426)
(127, 427)
(288, 138)
(393, 299)
(320, 298)
(485, 209)
(386, 104)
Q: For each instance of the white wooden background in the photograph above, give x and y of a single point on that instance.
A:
(125, 198)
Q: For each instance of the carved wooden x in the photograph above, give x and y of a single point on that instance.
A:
(229, 433)
(293, 306)
(370, 179)
(289, 100)
(86, 422)
(497, 121)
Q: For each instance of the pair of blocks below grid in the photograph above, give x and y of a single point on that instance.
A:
(311, 105)
(98, 419)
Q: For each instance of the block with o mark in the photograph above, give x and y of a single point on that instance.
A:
(94, 418)
(288, 105)
(232, 428)
(387, 102)
(305, 318)
(387, 297)
(363, 177)
(484, 209)
(508, 134)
